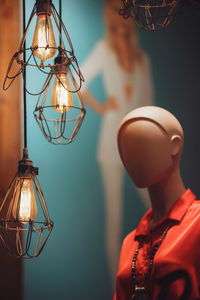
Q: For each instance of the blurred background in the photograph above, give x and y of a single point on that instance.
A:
(77, 262)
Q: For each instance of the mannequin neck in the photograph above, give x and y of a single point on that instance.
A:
(164, 194)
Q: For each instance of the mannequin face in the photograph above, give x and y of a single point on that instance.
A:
(146, 152)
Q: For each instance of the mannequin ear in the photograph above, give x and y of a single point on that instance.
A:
(176, 141)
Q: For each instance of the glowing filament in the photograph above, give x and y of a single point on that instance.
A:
(61, 99)
(44, 39)
(25, 207)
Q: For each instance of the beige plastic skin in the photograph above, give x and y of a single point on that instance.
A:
(150, 142)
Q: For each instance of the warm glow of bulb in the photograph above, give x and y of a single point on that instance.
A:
(61, 98)
(25, 203)
(43, 37)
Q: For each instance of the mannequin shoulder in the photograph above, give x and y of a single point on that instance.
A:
(193, 212)
(129, 239)
(195, 206)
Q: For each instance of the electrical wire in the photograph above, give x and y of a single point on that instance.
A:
(24, 78)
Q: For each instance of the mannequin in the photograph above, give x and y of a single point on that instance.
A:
(160, 259)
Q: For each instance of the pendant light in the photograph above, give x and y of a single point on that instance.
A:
(150, 15)
(42, 50)
(154, 15)
(59, 111)
(44, 43)
(25, 224)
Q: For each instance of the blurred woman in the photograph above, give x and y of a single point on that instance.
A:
(126, 75)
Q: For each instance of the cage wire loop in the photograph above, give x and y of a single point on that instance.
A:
(125, 11)
(150, 15)
(59, 128)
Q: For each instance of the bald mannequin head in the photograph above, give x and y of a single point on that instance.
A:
(150, 142)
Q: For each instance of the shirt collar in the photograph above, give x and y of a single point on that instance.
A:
(176, 213)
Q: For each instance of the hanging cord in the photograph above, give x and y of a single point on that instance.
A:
(24, 78)
(60, 13)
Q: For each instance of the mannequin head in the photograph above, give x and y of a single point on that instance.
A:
(150, 142)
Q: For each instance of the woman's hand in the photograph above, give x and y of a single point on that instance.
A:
(110, 104)
(100, 108)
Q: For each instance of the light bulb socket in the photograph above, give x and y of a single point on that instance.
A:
(25, 165)
(43, 7)
(61, 63)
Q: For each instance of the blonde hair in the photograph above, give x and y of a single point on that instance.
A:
(111, 11)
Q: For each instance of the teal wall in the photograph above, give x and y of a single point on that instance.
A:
(73, 265)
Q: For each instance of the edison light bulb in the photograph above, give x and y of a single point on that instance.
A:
(43, 37)
(61, 98)
(25, 203)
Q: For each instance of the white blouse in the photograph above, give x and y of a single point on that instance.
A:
(102, 60)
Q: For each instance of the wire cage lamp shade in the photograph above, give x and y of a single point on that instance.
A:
(150, 15)
(59, 111)
(25, 224)
(44, 46)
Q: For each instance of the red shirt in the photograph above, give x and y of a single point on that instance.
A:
(176, 266)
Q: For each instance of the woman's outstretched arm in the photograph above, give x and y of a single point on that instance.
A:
(96, 105)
